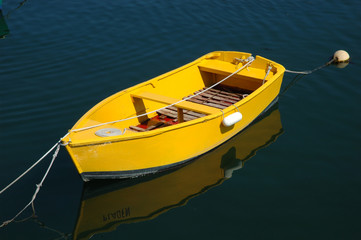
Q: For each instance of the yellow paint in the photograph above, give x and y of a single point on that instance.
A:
(145, 200)
(172, 144)
(169, 100)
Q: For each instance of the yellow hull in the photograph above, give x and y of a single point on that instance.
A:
(137, 153)
(145, 199)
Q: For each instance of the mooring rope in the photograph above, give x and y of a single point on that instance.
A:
(301, 75)
(32, 166)
(38, 186)
(311, 71)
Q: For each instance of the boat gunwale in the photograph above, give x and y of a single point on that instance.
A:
(155, 132)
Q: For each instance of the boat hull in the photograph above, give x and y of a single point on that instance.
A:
(166, 148)
(87, 176)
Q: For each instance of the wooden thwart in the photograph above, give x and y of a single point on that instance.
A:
(169, 100)
(198, 106)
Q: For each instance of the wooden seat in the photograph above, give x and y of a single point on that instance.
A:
(205, 103)
(182, 105)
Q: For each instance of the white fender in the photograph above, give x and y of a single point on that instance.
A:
(232, 119)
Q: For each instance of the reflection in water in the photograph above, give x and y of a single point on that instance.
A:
(4, 30)
(106, 204)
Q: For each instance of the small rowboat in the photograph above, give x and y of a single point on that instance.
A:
(173, 118)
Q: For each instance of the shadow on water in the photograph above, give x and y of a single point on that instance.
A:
(106, 204)
(4, 29)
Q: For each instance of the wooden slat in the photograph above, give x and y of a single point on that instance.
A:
(211, 100)
(219, 96)
(173, 114)
(187, 116)
(169, 100)
(189, 112)
(138, 129)
(231, 90)
(168, 113)
(198, 106)
(206, 103)
(238, 95)
(157, 125)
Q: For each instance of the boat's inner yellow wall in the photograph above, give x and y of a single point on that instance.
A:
(178, 84)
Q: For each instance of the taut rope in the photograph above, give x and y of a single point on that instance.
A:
(38, 186)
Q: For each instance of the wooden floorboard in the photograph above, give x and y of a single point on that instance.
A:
(138, 129)
(189, 112)
(238, 95)
(212, 97)
(173, 114)
(219, 96)
(206, 103)
(220, 101)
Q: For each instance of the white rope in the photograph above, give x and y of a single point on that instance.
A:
(269, 69)
(249, 60)
(38, 186)
(311, 71)
(36, 163)
(296, 72)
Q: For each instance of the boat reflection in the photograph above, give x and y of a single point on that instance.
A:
(107, 204)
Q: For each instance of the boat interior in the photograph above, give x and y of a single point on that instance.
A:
(219, 97)
(207, 102)
(151, 98)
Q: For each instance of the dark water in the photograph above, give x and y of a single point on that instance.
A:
(300, 179)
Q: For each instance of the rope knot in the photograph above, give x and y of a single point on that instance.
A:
(64, 143)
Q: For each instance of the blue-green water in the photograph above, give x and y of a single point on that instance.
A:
(62, 57)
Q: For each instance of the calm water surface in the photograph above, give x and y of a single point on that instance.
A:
(294, 174)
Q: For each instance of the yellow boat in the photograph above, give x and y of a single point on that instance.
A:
(173, 118)
(106, 205)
